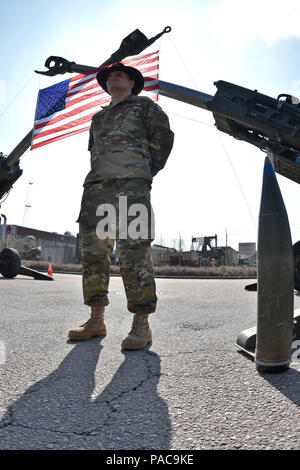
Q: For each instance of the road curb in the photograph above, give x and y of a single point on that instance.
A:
(167, 277)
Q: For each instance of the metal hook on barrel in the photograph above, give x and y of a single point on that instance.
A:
(60, 66)
(167, 29)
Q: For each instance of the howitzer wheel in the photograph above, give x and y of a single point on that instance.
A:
(296, 252)
(10, 262)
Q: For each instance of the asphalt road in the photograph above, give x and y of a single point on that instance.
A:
(191, 389)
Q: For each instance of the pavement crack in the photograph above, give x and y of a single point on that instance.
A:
(55, 431)
(149, 375)
(181, 353)
(8, 421)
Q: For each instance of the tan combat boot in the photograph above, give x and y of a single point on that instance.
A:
(95, 326)
(140, 333)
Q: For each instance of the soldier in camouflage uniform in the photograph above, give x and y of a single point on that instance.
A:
(130, 141)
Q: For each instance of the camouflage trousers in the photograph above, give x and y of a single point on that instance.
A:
(134, 255)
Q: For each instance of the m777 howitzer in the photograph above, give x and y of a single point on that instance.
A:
(271, 124)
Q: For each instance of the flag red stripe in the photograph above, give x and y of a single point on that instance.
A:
(67, 134)
(88, 88)
(82, 98)
(139, 63)
(82, 75)
(134, 59)
(148, 69)
(74, 123)
(77, 85)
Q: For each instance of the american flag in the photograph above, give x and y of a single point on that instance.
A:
(66, 108)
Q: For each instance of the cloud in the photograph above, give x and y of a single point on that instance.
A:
(234, 22)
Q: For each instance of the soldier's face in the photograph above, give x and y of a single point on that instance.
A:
(119, 80)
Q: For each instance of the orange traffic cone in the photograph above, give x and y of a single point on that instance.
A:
(50, 273)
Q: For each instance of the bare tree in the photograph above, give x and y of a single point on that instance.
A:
(180, 243)
(174, 243)
(161, 240)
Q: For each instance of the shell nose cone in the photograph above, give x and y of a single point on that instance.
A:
(268, 168)
(271, 198)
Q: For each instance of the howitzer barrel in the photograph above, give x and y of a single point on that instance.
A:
(78, 68)
(187, 95)
(18, 151)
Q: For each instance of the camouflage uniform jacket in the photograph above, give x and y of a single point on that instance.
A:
(130, 138)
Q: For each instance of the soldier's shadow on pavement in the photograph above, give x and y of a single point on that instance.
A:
(59, 411)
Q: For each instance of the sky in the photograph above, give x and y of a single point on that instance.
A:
(211, 183)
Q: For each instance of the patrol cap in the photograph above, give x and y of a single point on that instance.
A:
(133, 74)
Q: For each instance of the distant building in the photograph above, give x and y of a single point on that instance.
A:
(247, 253)
(230, 255)
(161, 254)
(55, 247)
(184, 258)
